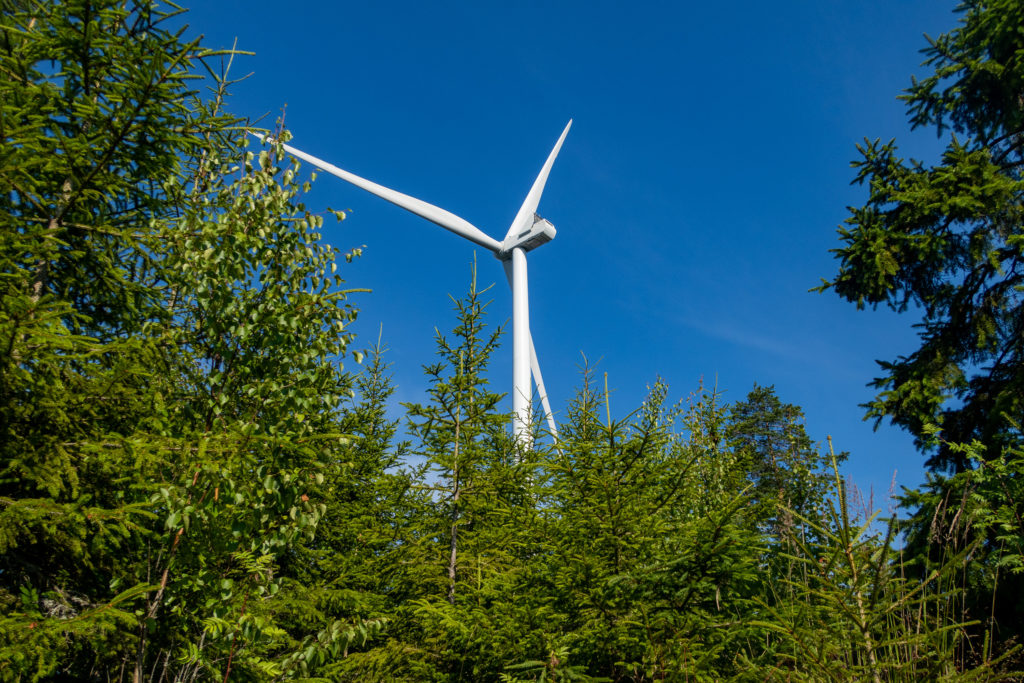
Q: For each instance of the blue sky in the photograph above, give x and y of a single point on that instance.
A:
(696, 197)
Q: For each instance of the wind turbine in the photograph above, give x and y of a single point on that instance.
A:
(527, 232)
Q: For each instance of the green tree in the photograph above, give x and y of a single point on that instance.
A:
(170, 382)
(946, 240)
(351, 570)
(649, 550)
(458, 525)
(257, 327)
(461, 432)
(851, 612)
(785, 468)
(978, 511)
(86, 147)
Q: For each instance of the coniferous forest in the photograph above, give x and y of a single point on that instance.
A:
(201, 481)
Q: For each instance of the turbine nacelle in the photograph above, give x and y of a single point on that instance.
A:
(539, 232)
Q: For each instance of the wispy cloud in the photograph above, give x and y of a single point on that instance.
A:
(805, 348)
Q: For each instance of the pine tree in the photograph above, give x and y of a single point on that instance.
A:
(471, 516)
(649, 545)
(87, 145)
(351, 569)
(787, 471)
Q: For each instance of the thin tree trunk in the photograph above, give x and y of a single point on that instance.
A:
(454, 549)
(863, 625)
(42, 274)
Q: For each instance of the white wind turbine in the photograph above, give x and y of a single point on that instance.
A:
(528, 231)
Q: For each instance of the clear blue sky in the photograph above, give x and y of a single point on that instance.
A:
(696, 197)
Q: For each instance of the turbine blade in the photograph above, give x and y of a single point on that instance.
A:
(539, 381)
(524, 218)
(434, 214)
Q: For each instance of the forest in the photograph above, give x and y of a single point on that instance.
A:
(202, 480)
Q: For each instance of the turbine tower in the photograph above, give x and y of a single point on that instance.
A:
(527, 232)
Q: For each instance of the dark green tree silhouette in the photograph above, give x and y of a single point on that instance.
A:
(787, 471)
(945, 241)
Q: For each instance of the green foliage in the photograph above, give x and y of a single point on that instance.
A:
(350, 574)
(979, 509)
(193, 488)
(779, 459)
(82, 148)
(854, 615)
(651, 556)
(996, 487)
(169, 381)
(462, 435)
(947, 241)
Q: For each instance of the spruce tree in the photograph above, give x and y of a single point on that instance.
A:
(787, 471)
(944, 243)
(649, 547)
(461, 432)
(470, 517)
(87, 146)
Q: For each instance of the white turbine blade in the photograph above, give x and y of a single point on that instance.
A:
(434, 214)
(535, 368)
(524, 218)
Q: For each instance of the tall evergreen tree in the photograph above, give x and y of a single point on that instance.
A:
(464, 518)
(787, 471)
(461, 432)
(946, 240)
(87, 145)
